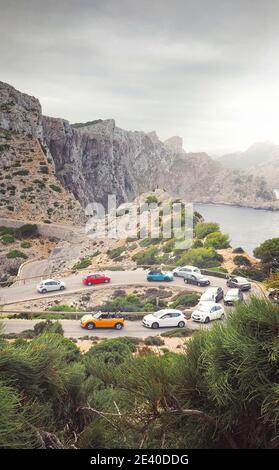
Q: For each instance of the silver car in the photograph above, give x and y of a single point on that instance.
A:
(50, 285)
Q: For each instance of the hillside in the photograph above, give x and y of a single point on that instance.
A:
(260, 159)
(50, 168)
(29, 188)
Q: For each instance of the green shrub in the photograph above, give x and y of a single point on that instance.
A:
(148, 256)
(238, 250)
(126, 303)
(241, 261)
(116, 252)
(26, 231)
(16, 254)
(149, 241)
(25, 244)
(21, 173)
(64, 308)
(251, 273)
(217, 240)
(186, 300)
(202, 229)
(7, 239)
(112, 351)
(55, 188)
(151, 199)
(201, 257)
(178, 333)
(154, 341)
(82, 264)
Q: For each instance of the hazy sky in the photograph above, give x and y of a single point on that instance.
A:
(206, 70)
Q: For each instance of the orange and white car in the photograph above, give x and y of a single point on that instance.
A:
(102, 320)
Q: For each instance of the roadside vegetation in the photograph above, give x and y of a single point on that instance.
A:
(222, 392)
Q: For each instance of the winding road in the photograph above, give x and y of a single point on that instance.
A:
(20, 293)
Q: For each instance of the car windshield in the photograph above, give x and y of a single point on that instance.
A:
(97, 315)
(199, 276)
(203, 308)
(207, 296)
(159, 313)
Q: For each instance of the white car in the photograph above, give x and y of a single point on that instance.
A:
(184, 270)
(50, 285)
(164, 318)
(212, 294)
(207, 311)
(232, 296)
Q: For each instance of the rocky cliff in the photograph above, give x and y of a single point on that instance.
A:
(89, 161)
(29, 188)
(99, 158)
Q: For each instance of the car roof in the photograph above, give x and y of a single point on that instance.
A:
(50, 280)
(241, 279)
(210, 289)
(189, 267)
(167, 310)
(233, 290)
(209, 304)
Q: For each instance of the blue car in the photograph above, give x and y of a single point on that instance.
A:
(159, 276)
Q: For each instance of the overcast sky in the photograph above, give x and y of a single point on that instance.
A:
(206, 70)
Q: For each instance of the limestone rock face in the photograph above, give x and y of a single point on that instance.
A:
(19, 112)
(92, 160)
(100, 159)
(175, 144)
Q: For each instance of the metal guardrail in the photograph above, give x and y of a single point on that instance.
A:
(76, 315)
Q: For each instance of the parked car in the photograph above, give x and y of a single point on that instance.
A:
(102, 320)
(164, 318)
(233, 295)
(181, 271)
(240, 282)
(95, 279)
(159, 276)
(197, 279)
(207, 311)
(49, 285)
(212, 294)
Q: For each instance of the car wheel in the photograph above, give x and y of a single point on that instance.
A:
(118, 326)
(89, 283)
(44, 291)
(175, 274)
(181, 324)
(167, 279)
(207, 320)
(186, 281)
(107, 280)
(90, 326)
(222, 316)
(62, 287)
(155, 325)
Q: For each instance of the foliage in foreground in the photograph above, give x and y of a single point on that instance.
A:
(223, 392)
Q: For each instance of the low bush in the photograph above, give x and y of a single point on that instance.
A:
(16, 254)
(148, 256)
(82, 264)
(116, 252)
(186, 300)
(7, 239)
(241, 261)
(154, 341)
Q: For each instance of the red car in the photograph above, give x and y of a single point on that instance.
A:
(95, 279)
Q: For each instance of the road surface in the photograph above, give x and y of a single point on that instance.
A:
(72, 329)
(19, 293)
